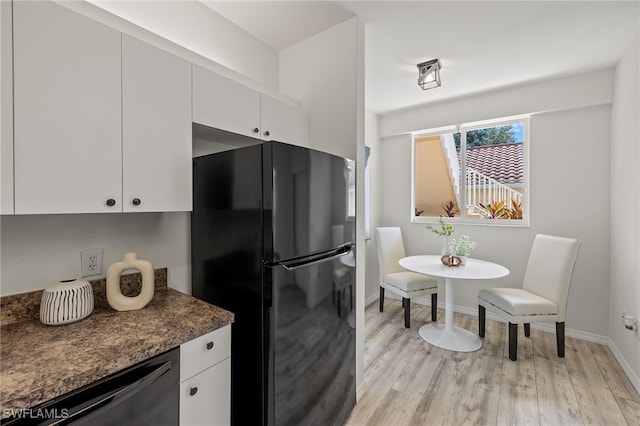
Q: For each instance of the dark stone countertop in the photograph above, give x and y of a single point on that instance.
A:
(40, 362)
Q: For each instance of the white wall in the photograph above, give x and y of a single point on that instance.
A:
(372, 140)
(569, 195)
(198, 28)
(6, 109)
(38, 250)
(322, 73)
(625, 209)
(593, 88)
(6, 118)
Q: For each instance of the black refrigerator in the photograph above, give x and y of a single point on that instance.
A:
(269, 225)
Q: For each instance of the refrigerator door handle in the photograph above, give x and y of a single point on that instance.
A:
(294, 264)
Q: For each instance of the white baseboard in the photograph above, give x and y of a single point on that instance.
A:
(633, 377)
(371, 299)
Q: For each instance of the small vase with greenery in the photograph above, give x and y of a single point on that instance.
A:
(444, 230)
(462, 247)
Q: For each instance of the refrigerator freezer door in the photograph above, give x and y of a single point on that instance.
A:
(306, 197)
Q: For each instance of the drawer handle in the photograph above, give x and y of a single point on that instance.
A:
(136, 201)
(193, 391)
(209, 346)
(256, 130)
(111, 202)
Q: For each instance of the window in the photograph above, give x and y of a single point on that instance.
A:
(474, 173)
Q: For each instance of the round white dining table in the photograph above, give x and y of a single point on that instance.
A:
(449, 336)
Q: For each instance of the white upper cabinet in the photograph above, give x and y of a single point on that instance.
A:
(102, 120)
(156, 129)
(282, 122)
(96, 121)
(67, 111)
(225, 104)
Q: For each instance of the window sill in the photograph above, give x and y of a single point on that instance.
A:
(509, 223)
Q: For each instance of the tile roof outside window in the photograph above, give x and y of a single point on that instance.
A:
(503, 163)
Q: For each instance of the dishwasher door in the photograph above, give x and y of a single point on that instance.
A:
(144, 394)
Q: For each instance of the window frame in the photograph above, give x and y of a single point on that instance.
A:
(463, 128)
(351, 179)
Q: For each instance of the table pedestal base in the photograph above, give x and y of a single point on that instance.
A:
(455, 339)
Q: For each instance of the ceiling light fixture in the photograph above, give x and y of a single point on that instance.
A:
(429, 74)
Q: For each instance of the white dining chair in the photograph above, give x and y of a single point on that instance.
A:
(397, 279)
(544, 292)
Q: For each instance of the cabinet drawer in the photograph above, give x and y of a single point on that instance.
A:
(205, 399)
(204, 351)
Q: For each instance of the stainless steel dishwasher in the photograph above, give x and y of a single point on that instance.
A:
(144, 394)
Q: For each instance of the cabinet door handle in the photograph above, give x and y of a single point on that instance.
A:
(256, 130)
(267, 133)
(193, 391)
(209, 346)
(111, 202)
(136, 201)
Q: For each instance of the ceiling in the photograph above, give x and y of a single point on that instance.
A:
(481, 45)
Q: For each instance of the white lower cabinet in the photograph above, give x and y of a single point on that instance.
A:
(205, 398)
(205, 379)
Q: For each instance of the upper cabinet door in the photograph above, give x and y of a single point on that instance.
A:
(224, 104)
(67, 111)
(156, 114)
(282, 122)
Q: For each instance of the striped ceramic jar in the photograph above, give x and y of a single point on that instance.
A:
(66, 302)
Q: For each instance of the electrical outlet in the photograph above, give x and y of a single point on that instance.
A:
(90, 262)
(630, 323)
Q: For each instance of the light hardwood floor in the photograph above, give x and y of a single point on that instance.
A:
(410, 382)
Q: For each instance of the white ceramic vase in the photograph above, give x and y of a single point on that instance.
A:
(66, 302)
(119, 301)
(445, 246)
